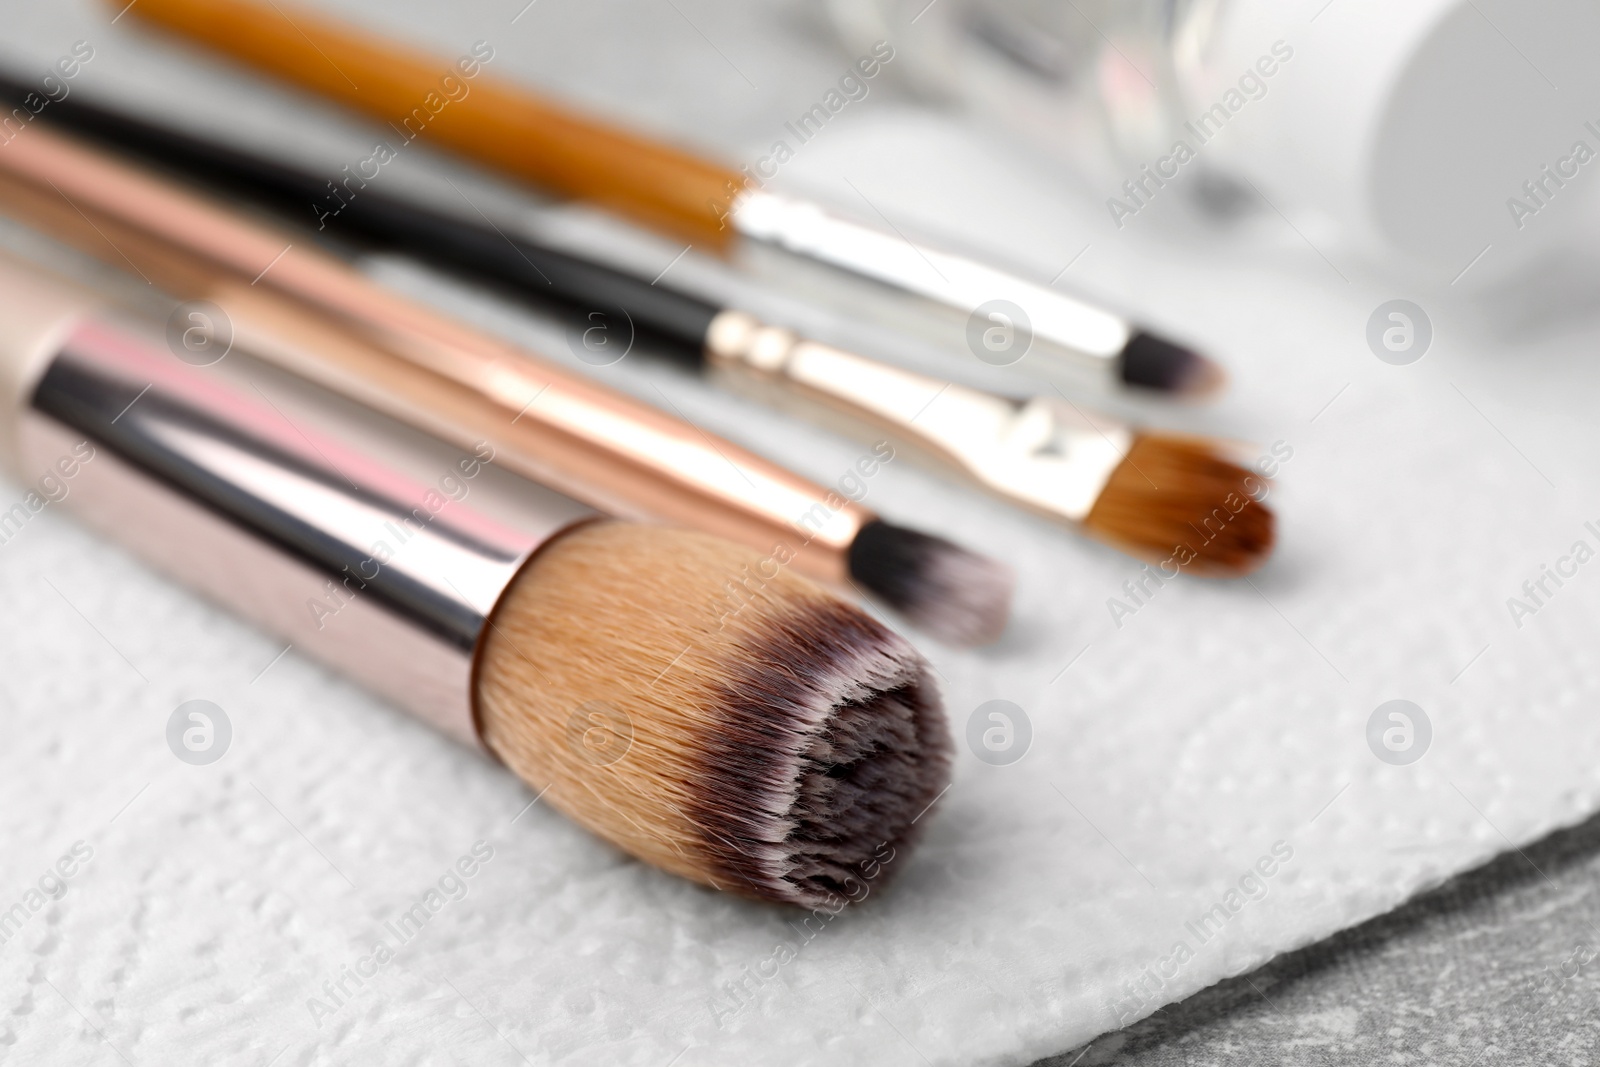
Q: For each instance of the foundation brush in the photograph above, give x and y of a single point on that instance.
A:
(1144, 493)
(509, 128)
(324, 321)
(782, 746)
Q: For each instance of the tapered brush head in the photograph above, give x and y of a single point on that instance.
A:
(1150, 362)
(1179, 499)
(956, 595)
(756, 734)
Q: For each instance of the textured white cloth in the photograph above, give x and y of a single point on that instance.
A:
(1220, 727)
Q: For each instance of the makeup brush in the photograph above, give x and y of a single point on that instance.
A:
(782, 745)
(1158, 497)
(510, 128)
(421, 367)
(1042, 453)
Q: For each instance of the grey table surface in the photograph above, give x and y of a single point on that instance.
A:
(1496, 966)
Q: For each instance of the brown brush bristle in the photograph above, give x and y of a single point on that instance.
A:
(752, 733)
(1178, 499)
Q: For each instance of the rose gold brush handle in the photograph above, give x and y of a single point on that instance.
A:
(419, 366)
(326, 546)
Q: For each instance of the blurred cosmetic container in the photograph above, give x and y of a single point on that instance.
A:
(1446, 138)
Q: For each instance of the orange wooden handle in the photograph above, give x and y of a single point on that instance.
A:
(456, 104)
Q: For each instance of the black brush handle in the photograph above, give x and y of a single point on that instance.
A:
(675, 321)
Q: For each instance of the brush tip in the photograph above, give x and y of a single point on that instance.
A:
(835, 747)
(1149, 362)
(1178, 501)
(953, 594)
(769, 739)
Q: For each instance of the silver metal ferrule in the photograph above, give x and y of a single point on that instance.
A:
(1041, 453)
(1065, 339)
(385, 579)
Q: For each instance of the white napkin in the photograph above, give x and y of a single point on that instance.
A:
(1199, 792)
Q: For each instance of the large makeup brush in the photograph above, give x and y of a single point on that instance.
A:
(779, 743)
(1041, 453)
(511, 129)
(557, 427)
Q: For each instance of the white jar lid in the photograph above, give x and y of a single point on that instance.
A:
(1417, 128)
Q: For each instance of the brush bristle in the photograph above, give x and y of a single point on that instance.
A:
(956, 595)
(752, 733)
(1178, 499)
(1152, 363)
